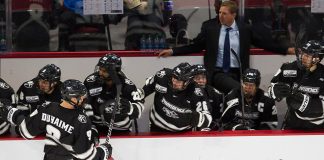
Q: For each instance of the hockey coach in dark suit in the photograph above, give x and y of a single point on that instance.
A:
(218, 36)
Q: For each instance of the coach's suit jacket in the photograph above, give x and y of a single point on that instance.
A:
(208, 38)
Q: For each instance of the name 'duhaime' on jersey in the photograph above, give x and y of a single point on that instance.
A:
(57, 122)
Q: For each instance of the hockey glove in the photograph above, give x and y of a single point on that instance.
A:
(298, 101)
(107, 107)
(125, 106)
(7, 111)
(279, 90)
(95, 135)
(195, 117)
(107, 148)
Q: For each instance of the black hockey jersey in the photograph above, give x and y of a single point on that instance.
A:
(215, 99)
(68, 132)
(261, 113)
(172, 110)
(30, 97)
(99, 93)
(6, 92)
(311, 84)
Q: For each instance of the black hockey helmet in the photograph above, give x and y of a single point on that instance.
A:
(50, 73)
(252, 76)
(198, 69)
(72, 88)
(110, 61)
(182, 72)
(311, 47)
(177, 22)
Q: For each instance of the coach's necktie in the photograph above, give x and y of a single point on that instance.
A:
(227, 54)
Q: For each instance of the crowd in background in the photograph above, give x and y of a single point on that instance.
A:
(52, 26)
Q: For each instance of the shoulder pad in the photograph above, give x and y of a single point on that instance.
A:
(29, 84)
(129, 82)
(161, 73)
(82, 118)
(91, 78)
(266, 94)
(198, 92)
(4, 85)
(215, 90)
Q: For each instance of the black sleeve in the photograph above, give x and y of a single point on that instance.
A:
(231, 103)
(216, 101)
(31, 125)
(6, 91)
(268, 117)
(130, 92)
(149, 86)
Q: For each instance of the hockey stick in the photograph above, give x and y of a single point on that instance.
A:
(241, 82)
(114, 76)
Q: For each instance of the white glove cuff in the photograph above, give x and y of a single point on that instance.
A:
(10, 115)
(304, 104)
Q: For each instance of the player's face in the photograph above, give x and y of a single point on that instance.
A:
(225, 16)
(45, 86)
(80, 102)
(249, 89)
(200, 79)
(103, 73)
(308, 60)
(177, 84)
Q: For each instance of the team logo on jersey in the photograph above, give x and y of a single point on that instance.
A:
(290, 73)
(308, 89)
(82, 118)
(4, 85)
(29, 84)
(100, 101)
(91, 78)
(160, 74)
(198, 92)
(129, 82)
(160, 88)
(31, 99)
(170, 113)
(95, 91)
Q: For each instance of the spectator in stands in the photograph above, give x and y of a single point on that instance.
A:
(42, 89)
(258, 111)
(35, 25)
(179, 104)
(147, 21)
(6, 94)
(218, 37)
(102, 87)
(215, 98)
(178, 30)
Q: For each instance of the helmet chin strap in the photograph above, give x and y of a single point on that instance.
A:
(76, 105)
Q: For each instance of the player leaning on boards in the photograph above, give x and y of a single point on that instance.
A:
(67, 128)
(215, 98)
(179, 104)
(102, 92)
(44, 88)
(301, 82)
(255, 111)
